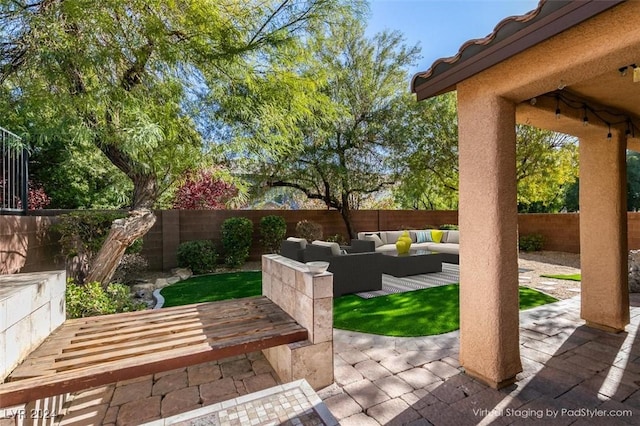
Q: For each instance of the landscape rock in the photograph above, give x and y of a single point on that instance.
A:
(173, 280)
(634, 271)
(161, 283)
(143, 287)
(183, 273)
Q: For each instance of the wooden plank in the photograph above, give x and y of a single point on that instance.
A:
(22, 391)
(219, 330)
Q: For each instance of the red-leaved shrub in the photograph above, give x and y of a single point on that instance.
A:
(202, 190)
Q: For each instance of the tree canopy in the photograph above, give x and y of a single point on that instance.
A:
(343, 149)
(122, 77)
(546, 163)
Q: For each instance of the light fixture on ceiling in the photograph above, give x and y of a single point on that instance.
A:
(636, 73)
(533, 101)
(623, 71)
(562, 85)
(594, 115)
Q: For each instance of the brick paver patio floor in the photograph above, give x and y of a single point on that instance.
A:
(572, 375)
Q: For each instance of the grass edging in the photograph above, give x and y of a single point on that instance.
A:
(567, 277)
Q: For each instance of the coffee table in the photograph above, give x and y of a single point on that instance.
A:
(414, 263)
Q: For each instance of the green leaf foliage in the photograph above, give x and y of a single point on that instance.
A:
(199, 256)
(341, 152)
(546, 162)
(84, 232)
(273, 230)
(236, 240)
(531, 242)
(127, 78)
(92, 299)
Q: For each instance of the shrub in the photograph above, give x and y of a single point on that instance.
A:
(337, 238)
(449, 226)
(199, 256)
(236, 240)
(85, 232)
(131, 266)
(82, 234)
(204, 190)
(309, 230)
(92, 299)
(273, 230)
(531, 242)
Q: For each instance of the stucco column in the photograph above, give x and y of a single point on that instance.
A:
(488, 218)
(603, 232)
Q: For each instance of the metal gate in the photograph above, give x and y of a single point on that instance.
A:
(14, 174)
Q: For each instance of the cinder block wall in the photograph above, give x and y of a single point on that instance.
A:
(561, 232)
(27, 245)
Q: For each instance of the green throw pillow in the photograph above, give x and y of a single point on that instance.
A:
(436, 236)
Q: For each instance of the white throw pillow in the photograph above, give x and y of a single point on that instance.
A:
(302, 241)
(392, 236)
(373, 237)
(453, 237)
(335, 247)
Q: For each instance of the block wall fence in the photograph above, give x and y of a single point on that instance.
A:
(27, 245)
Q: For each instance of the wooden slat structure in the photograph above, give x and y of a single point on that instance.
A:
(88, 352)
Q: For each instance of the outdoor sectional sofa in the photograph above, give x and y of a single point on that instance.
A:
(442, 241)
(353, 269)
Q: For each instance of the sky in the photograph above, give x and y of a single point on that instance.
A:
(440, 27)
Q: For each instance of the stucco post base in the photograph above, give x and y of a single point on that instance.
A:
(603, 232)
(488, 381)
(604, 327)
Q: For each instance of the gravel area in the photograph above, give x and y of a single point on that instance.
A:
(534, 264)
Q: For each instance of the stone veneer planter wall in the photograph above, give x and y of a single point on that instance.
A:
(308, 299)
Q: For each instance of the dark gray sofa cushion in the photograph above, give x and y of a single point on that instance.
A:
(352, 273)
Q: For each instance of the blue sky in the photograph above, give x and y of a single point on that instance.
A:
(442, 26)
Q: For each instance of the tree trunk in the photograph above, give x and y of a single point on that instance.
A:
(345, 212)
(122, 234)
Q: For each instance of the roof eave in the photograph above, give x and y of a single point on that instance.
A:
(546, 25)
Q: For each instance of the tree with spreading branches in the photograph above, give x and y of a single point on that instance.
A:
(342, 149)
(123, 76)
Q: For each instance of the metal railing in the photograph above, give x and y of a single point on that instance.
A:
(14, 174)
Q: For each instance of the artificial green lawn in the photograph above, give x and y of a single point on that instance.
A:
(416, 313)
(569, 277)
(209, 288)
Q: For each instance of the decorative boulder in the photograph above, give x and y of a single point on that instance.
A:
(634, 271)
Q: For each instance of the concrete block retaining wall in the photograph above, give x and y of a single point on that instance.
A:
(31, 306)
